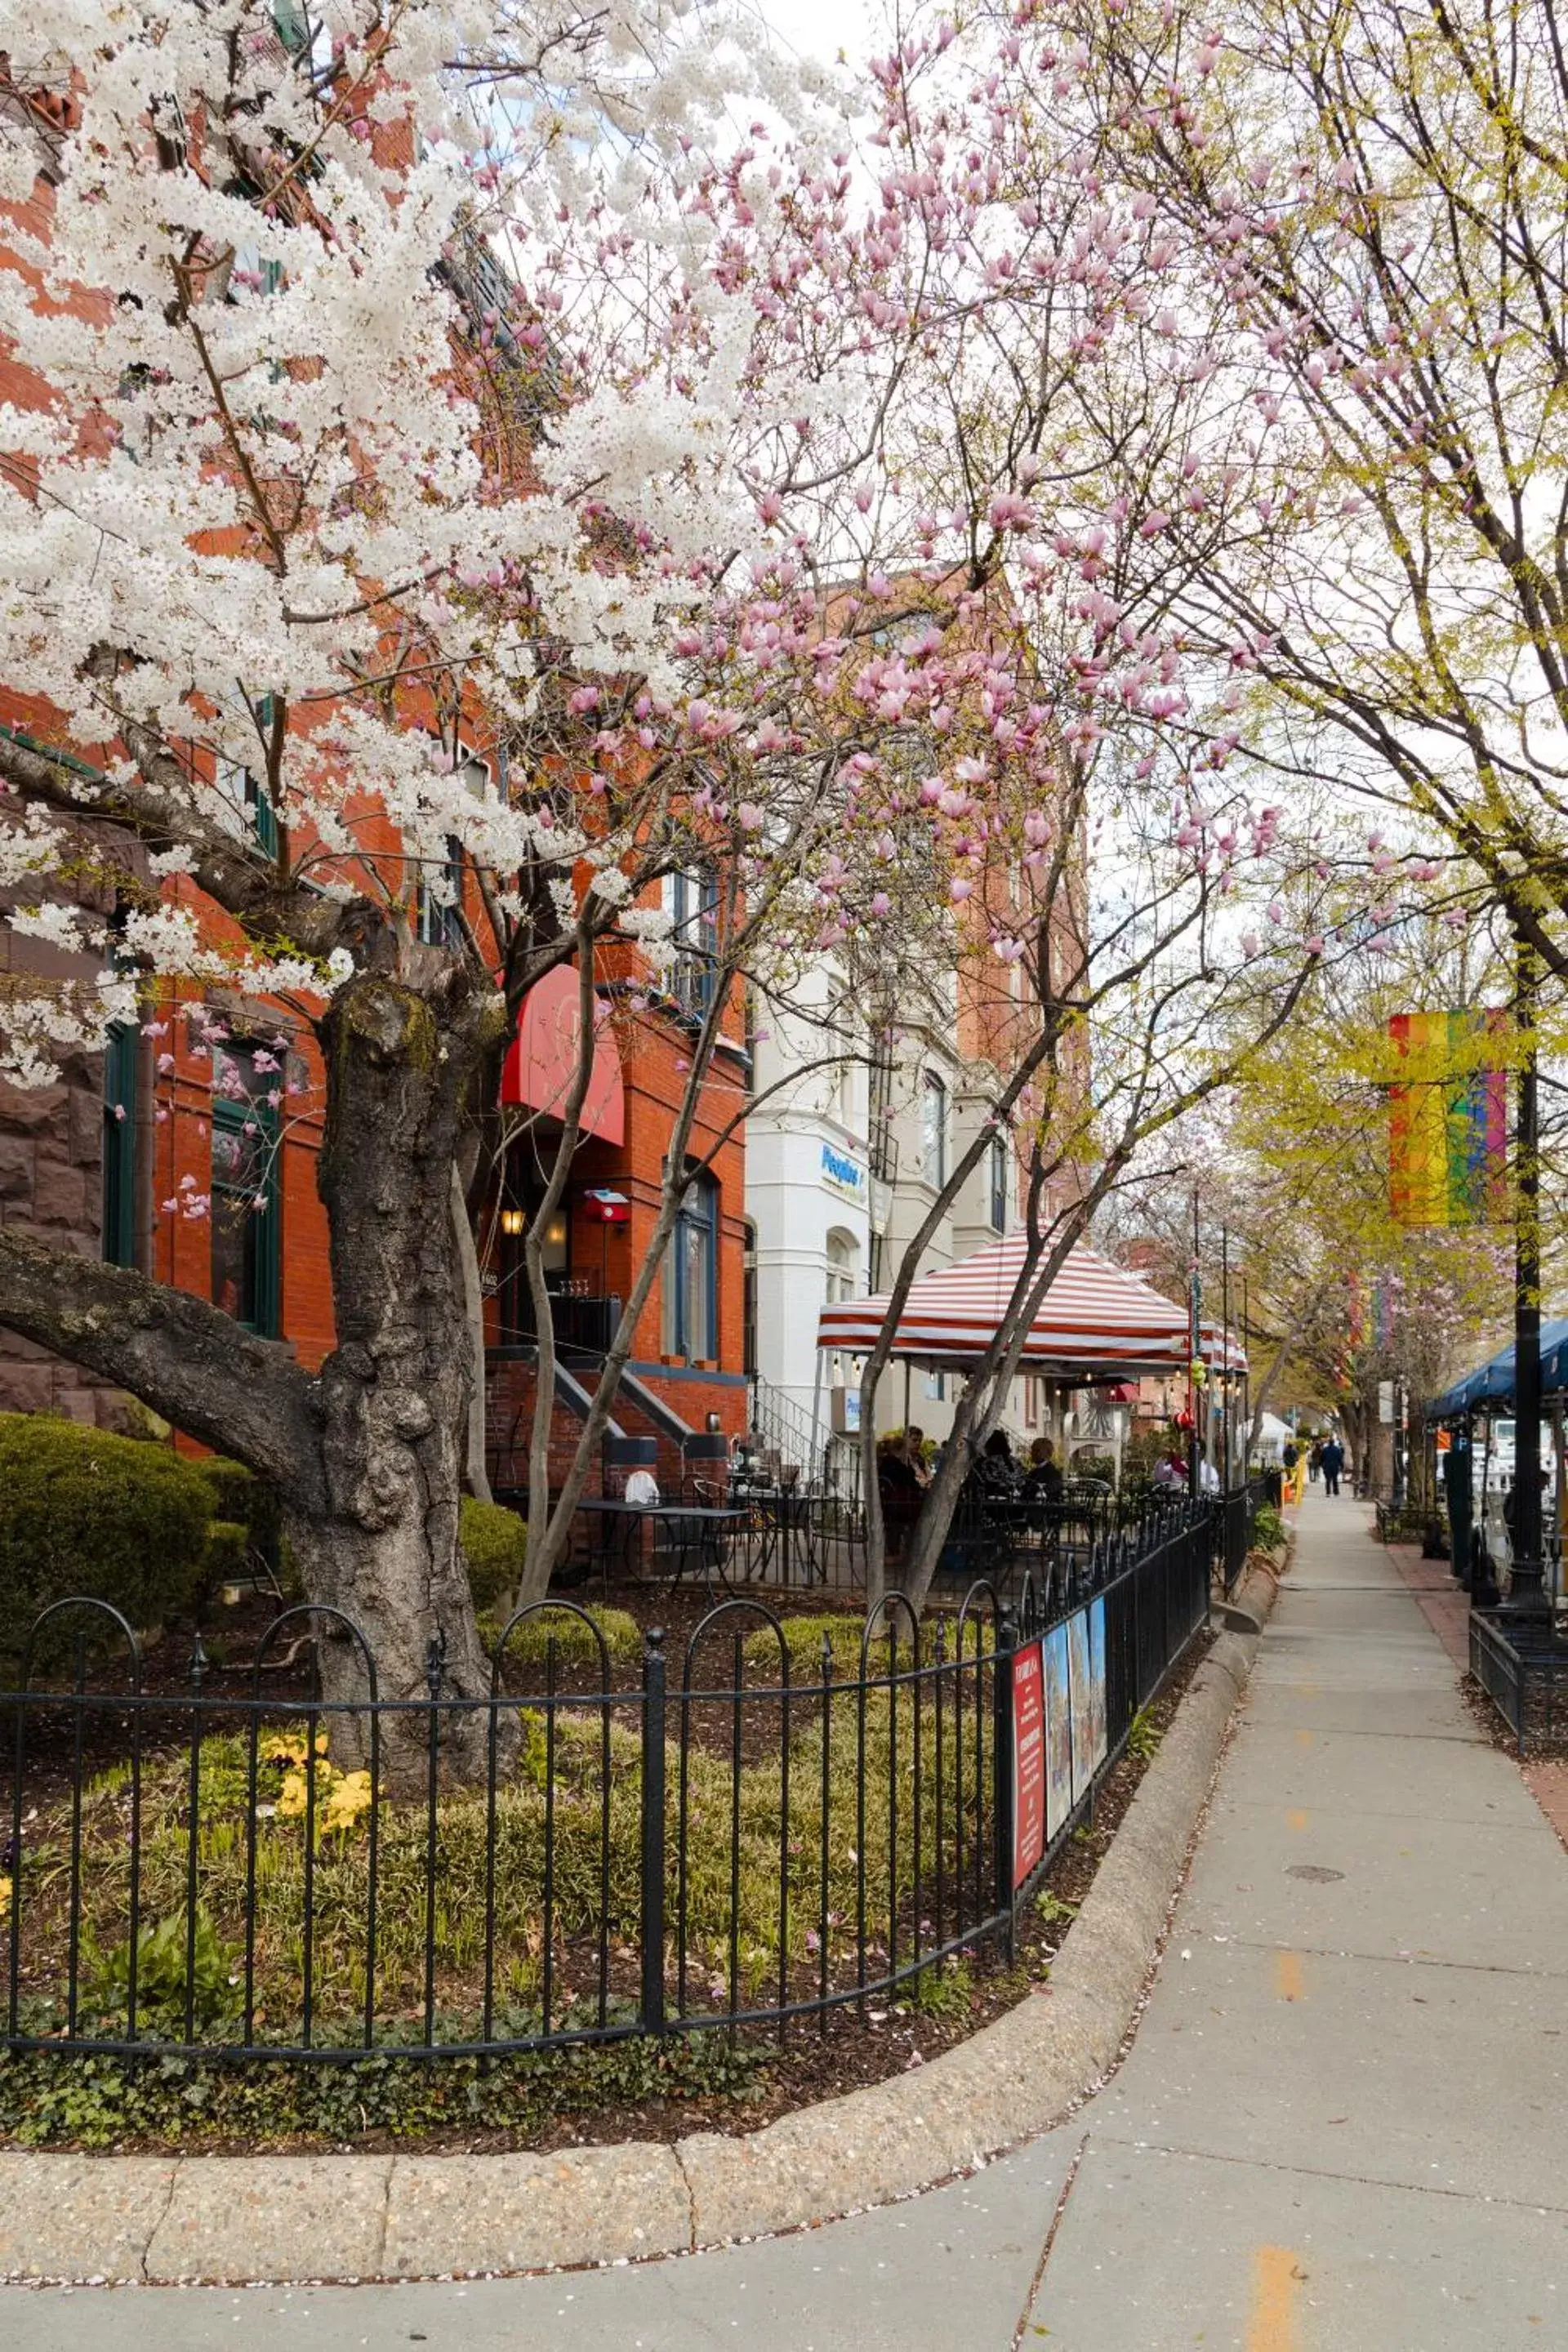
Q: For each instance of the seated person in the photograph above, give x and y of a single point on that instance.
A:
(1043, 1480)
(898, 1490)
(995, 1477)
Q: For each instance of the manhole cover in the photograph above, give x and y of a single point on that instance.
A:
(1314, 1870)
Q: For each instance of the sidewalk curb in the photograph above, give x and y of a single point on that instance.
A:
(102, 2221)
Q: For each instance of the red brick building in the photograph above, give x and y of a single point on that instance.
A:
(688, 1361)
(188, 1149)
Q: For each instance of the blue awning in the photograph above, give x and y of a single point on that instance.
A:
(1491, 1383)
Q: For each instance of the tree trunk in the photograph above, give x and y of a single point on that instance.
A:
(380, 1542)
(477, 1475)
(368, 1455)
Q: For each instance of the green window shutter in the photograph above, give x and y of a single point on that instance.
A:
(262, 815)
(293, 25)
(247, 1212)
(119, 1055)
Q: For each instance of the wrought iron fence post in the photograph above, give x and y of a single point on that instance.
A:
(1001, 1767)
(653, 1678)
(434, 1672)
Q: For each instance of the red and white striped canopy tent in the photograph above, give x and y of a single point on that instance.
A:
(1096, 1321)
(1223, 1350)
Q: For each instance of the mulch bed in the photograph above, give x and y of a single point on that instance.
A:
(822, 2060)
(814, 2060)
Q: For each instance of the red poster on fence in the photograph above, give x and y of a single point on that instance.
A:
(1029, 1761)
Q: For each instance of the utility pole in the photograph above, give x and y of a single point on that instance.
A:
(1195, 1359)
(1225, 1353)
(1246, 1374)
(1527, 1583)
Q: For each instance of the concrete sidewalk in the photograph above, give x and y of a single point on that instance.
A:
(1339, 2128)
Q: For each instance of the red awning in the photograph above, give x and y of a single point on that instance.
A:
(1096, 1318)
(542, 1060)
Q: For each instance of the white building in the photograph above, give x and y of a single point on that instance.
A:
(844, 1163)
(808, 1185)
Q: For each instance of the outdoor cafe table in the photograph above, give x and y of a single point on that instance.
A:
(786, 1521)
(711, 1522)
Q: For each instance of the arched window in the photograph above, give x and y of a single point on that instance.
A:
(749, 1363)
(690, 1283)
(843, 1268)
(933, 1130)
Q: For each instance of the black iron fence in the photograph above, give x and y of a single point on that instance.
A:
(789, 1816)
(1523, 1669)
(1239, 1510)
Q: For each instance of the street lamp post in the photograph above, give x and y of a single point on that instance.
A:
(1194, 1360)
(1225, 1402)
(1527, 1595)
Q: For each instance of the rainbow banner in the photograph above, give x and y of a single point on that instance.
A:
(1448, 1121)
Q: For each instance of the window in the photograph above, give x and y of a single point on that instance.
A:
(519, 1199)
(838, 1039)
(689, 1282)
(251, 271)
(119, 1144)
(884, 1150)
(749, 1363)
(936, 1387)
(843, 1266)
(245, 1202)
(933, 1130)
(1000, 1155)
(246, 807)
(691, 902)
(437, 902)
(303, 33)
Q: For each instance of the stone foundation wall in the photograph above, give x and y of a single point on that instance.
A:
(51, 1184)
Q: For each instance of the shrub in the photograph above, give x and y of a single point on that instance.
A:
(575, 1644)
(226, 1556)
(247, 1501)
(495, 1545)
(84, 1512)
(1268, 1528)
(804, 1638)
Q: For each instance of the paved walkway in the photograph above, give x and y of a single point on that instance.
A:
(1340, 2129)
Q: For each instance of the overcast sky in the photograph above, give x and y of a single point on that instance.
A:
(818, 27)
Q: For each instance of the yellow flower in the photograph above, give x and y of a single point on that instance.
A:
(347, 1800)
(5, 1897)
(340, 1797)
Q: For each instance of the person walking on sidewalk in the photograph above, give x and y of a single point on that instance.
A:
(1333, 1463)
